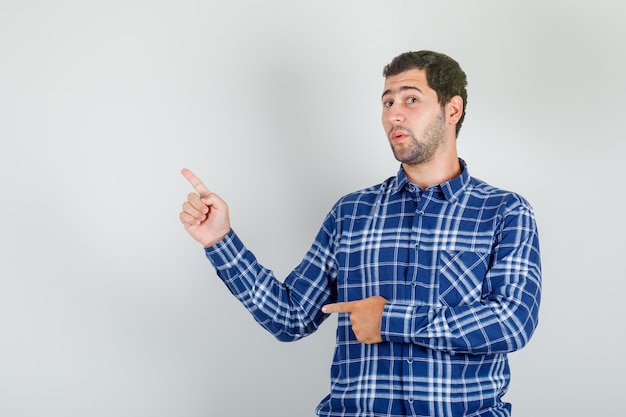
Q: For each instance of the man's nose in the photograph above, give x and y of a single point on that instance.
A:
(395, 114)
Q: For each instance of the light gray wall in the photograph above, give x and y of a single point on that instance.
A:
(108, 308)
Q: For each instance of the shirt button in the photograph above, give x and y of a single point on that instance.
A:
(409, 361)
(420, 212)
(410, 400)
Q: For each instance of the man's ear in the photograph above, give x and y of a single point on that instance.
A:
(454, 109)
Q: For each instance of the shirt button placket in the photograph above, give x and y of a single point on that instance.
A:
(414, 286)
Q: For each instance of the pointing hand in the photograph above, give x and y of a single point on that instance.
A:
(365, 316)
(205, 214)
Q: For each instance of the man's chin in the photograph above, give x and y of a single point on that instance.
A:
(403, 157)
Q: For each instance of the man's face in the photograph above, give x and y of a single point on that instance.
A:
(412, 117)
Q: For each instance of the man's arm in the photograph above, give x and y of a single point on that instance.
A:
(289, 310)
(505, 317)
(503, 320)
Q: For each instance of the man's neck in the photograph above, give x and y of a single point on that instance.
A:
(441, 169)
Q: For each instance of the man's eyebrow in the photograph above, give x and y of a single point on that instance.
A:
(403, 88)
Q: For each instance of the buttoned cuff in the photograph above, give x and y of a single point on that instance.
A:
(400, 322)
(226, 253)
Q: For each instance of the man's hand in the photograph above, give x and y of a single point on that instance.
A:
(365, 316)
(205, 214)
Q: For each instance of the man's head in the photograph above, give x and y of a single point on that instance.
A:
(444, 75)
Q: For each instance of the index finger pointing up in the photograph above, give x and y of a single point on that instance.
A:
(195, 181)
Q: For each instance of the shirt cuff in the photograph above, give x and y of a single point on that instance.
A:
(225, 253)
(400, 322)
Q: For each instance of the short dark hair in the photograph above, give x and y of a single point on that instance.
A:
(443, 74)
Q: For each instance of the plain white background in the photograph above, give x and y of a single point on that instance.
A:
(108, 308)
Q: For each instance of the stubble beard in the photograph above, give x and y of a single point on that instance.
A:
(416, 152)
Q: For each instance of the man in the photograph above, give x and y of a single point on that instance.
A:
(435, 274)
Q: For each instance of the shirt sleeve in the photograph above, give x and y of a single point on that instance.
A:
(505, 317)
(291, 309)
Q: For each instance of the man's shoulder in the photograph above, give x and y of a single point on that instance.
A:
(479, 189)
(363, 200)
(371, 193)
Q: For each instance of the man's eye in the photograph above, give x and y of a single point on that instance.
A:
(387, 103)
(411, 100)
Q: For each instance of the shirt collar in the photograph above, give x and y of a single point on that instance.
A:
(450, 189)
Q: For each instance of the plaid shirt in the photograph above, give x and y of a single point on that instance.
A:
(459, 264)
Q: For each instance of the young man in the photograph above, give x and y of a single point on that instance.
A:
(435, 274)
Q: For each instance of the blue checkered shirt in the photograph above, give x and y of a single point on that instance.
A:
(459, 265)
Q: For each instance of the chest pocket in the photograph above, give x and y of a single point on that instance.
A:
(461, 277)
